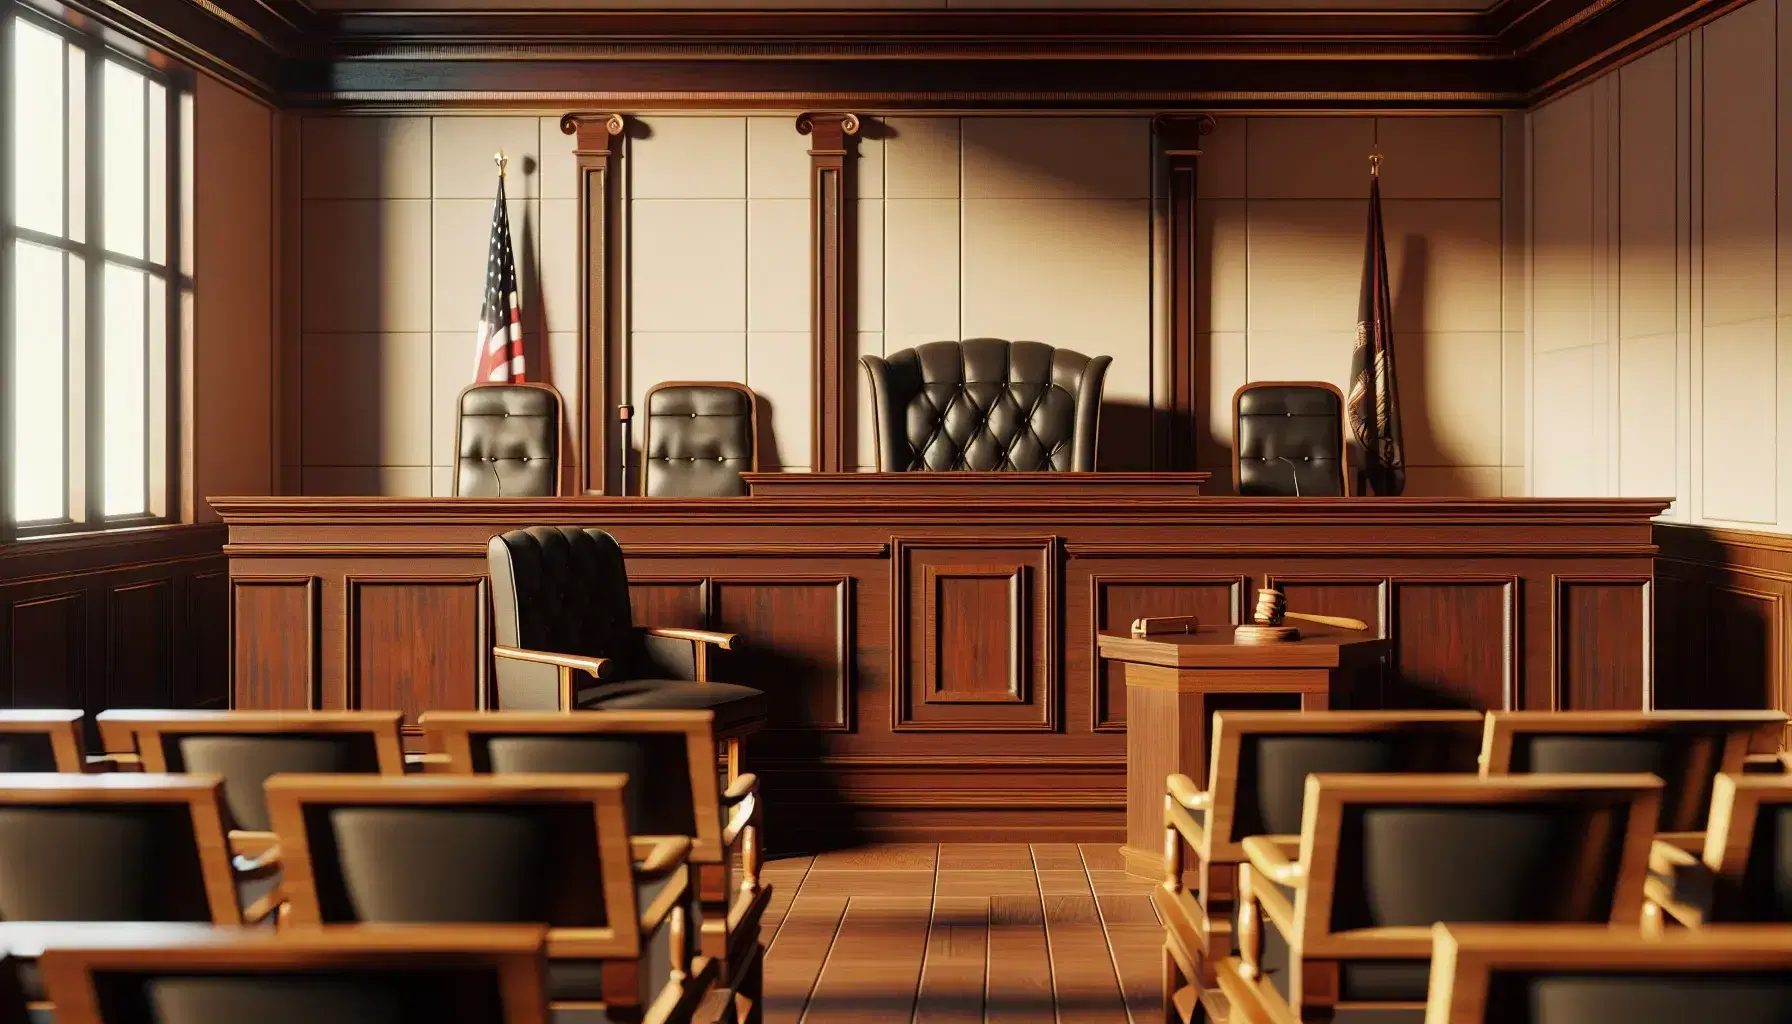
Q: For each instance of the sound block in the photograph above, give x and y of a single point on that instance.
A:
(1255, 634)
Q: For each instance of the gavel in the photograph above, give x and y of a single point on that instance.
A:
(1272, 608)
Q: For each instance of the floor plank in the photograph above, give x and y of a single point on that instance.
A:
(1101, 856)
(874, 969)
(784, 877)
(1020, 974)
(880, 857)
(869, 883)
(1084, 985)
(987, 883)
(1064, 883)
(952, 979)
(985, 857)
(1137, 941)
(796, 955)
(1057, 857)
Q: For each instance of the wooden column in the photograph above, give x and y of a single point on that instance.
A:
(832, 270)
(1179, 139)
(600, 427)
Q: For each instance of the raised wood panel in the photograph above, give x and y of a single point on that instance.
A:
(1602, 639)
(1359, 597)
(406, 648)
(274, 643)
(206, 683)
(975, 638)
(49, 651)
(796, 645)
(1679, 643)
(1117, 600)
(1455, 643)
(656, 601)
(140, 646)
(1743, 637)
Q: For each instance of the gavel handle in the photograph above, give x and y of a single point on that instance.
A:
(1340, 621)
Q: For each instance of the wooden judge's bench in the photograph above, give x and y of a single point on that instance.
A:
(928, 640)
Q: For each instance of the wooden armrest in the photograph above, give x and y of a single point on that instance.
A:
(739, 820)
(1269, 856)
(114, 759)
(410, 759)
(1680, 883)
(741, 788)
(596, 668)
(270, 902)
(668, 852)
(702, 636)
(254, 869)
(1182, 788)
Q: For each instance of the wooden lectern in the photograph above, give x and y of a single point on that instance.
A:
(1174, 683)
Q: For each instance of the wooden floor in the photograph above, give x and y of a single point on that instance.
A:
(997, 932)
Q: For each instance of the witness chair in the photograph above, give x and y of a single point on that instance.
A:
(47, 740)
(1289, 440)
(1581, 974)
(1745, 871)
(561, 601)
(1685, 749)
(1338, 919)
(1260, 764)
(669, 758)
(701, 436)
(552, 849)
(507, 441)
(986, 404)
(492, 974)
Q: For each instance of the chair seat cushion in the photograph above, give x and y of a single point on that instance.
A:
(733, 704)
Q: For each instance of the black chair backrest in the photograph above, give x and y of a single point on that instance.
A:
(1643, 997)
(507, 441)
(563, 589)
(986, 404)
(245, 761)
(1289, 440)
(1668, 754)
(1765, 890)
(27, 752)
(100, 862)
(658, 796)
(700, 439)
(1273, 768)
(415, 995)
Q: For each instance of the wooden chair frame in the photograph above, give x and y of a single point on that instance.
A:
(730, 928)
(1504, 728)
(620, 946)
(61, 726)
(1201, 931)
(1343, 423)
(1736, 802)
(1465, 957)
(1309, 863)
(559, 428)
(647, 406)
(515, 951)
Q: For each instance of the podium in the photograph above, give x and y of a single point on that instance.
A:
(1176, 681)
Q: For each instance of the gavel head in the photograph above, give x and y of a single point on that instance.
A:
(1271, 604)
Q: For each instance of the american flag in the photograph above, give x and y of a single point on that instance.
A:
(499, 355)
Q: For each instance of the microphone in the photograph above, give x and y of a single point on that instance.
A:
(1293, 471)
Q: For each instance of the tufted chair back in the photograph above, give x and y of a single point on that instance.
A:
(562, 589)
(700, 438)
(507, 442)
(986, 404)
(1288, 439)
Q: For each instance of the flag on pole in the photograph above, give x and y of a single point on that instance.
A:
(499, 354)
(1373, 408)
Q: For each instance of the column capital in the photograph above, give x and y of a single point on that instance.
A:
(596, 130)
(1181, 133)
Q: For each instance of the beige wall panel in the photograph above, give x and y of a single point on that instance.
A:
(1300, 355)
(349, 481)
(1783, 184)
(921, 158)
(1221, 174)
(1740, 406)
(462, 151)
(657, 358)
(1076, 274)
(1222, 254)
(1443, 264)
(460, 238)
(1562, 224)
(559, 171)
(1310, 157)
(1450, 400)
(869, 244)
(1514, 231)
(367, 399)
(868, 153)
(1057, 158)
(561, 356)
(450, 370)
(862, 455)
(1570, 450)
(1220, 370)
(777, 159)
(778, 372)
(921, 268)
(556, 238)
(688, 265)
(1647, 296)
(366, 265)
(365, 157)
(778, 268)
(1454, 482)
(1512, 482)
(1512, 399)
(1648, 393)
(1439, 157)
(1739, 159)
(689, 158)
(1306, 263)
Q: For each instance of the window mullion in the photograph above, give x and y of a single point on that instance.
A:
(93, 441)
(8, 343)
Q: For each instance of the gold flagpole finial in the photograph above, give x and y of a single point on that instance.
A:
(1374, 165)
(500, 159)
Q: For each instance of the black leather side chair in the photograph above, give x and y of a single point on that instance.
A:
(567, 640)
(701, 436)
(507, 441)
(986, 404)
(1288, 440)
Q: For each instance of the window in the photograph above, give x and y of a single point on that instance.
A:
(90, 282)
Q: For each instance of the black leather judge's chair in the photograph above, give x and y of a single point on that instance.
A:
(567, 639)
(986, 404)
(1289, 440)
(507, 441)
(701, 437)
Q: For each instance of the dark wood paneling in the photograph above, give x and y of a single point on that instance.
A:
(408, 648)
(974, 625)
(139, 646)
(832, 272)
(1455, 643)
(49, 651)
(207, 643)
(1590, 671)
(797, 646)
(1179, 144)
(663, 601)
(275, 642)
(1359, 597)
(1117, 600)
(1723, 615)
(598, 155)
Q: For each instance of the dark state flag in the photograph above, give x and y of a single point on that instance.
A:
(1373, 409)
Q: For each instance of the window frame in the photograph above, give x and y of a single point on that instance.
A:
(83, 440)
